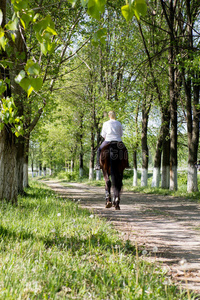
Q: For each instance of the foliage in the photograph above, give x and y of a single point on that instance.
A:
(51, 248)
(8, 115)
(68, 176)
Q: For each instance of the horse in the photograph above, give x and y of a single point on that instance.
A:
(113, 161)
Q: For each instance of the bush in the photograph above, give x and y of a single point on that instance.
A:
(68, 176)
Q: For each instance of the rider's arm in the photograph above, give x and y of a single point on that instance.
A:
(103, 132)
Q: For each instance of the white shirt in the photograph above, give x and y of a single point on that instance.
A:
(112, 131)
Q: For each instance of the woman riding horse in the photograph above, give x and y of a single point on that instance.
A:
(111, 132)
(112, 158)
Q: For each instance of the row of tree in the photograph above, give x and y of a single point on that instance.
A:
(53, 52)
(143, 67)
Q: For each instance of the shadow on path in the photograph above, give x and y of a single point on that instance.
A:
(169, 224)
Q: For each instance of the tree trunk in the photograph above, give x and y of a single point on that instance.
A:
(81, 164)
(166, 151)
(92, 156)
(91, 168)
(190, 79)
(157, 160)
(20, 164)
(8, 166)
(173, 115)
(193, 139)
(40, 169)
(135, 168)
(45, 170)
(145, 150)
(72, 165)
(161, 144)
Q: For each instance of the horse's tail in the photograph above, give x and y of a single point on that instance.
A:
(115, 170)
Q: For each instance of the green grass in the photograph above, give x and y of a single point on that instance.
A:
(50, 248)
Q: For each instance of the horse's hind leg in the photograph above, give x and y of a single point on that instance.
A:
(117, 201)
(107, 193)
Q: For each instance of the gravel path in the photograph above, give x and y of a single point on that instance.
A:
(170, 225)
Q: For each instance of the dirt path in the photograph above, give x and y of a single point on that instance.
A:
(172, 225)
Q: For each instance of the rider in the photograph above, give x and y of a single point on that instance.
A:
(111, 132)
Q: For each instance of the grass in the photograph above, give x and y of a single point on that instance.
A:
(50, 248)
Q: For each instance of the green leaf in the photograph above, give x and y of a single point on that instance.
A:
(95, 8)
(25, 83)
(51, 30)
(20, 76)
(29, 91)
(13, 37)
(20, 5)
(2, 87)
(99, 36)
(127, 12)
(36, 83)
(17, 120)
(41, 26)
(17, 134)
(1, 17)
(140, 7)
(3, 42)
(1, 126)
(26, 18)
(1, 32)
(32, 68)
(30, 84)
(44, 48)
(12, 25)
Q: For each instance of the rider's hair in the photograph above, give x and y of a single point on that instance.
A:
(112, 114)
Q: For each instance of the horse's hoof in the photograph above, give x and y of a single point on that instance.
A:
(108, 204)
(117, 207)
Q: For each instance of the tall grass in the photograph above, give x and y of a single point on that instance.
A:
(50, 248)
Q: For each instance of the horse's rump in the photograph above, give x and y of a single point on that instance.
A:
(114, 154)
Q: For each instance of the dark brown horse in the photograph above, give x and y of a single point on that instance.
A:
(113, 161)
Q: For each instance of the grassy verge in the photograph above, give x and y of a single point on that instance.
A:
(50, 248)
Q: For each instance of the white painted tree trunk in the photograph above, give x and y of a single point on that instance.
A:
(134, 177)
(173, 184)
(91, 174)
(98, 174)
(156, 177)
(165, 177)
(25, 177)
(80, 172)
(192, 185)
(144, 177)
(72, 166)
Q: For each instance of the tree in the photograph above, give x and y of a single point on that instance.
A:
(33, 30)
